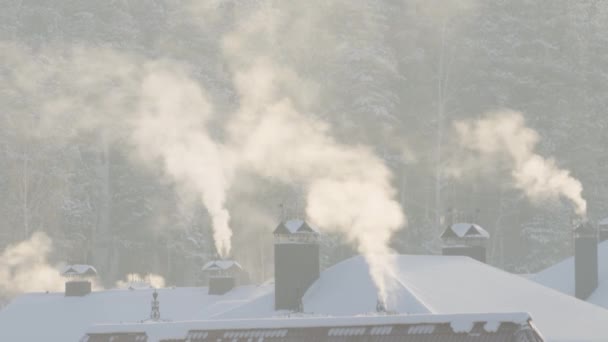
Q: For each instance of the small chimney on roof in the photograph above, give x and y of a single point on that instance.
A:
(465, 239)
(222, 275)
(296, 263)
(585, 260)
(79, 278)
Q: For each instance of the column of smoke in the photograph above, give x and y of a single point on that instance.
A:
(348, 188)
(504, 137)
(171, 127)
(165, 116)
(24, 268)
(152, 105)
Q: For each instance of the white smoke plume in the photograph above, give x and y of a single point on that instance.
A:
(153, 106)
(348, 189)
(504, 137)
(171, 127)
(24, 268)
(166, 117)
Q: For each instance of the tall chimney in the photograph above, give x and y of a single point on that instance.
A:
(222, 275)
(465, 239)
(296, 263)
(585, 260)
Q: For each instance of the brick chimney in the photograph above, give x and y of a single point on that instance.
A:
(585, 260)
(465, 239)
(296, 263)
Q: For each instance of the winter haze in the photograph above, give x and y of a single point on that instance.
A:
(149, 137)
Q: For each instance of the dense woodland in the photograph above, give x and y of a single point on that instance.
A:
(394, 75)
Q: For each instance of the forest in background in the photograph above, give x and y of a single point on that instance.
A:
(394, 75)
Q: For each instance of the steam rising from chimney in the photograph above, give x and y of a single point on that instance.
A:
(166, 116)
(24, 268)
(171, 127)
(348, 189)
(504, 137)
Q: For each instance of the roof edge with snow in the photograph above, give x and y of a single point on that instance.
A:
(460, 323)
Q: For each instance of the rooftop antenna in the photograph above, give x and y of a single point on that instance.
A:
(155, 313)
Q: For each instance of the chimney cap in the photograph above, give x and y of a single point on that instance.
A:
(222, 265)
(79, 270)
(295, 226)
(465, 231)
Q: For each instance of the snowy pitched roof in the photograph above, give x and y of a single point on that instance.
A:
(79, 270)
(504, 326)
(449, 285)
(422, 285)
(54, 317)
(561, 277)
(425, 285)
(222, 265)
(295, 226)
(465, 230)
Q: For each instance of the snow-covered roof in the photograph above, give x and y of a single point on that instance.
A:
(79, 270)
(54, 317)
(465, 230)
(421, 285)
(450, 285)
(462, 323)
(295, 226)
(221, 265)
(561, 277)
